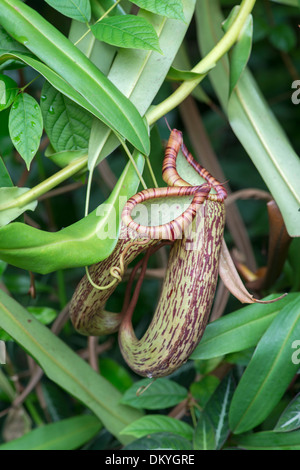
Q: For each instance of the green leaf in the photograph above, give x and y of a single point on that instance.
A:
(203, 389)
(162, 393)
(65, 368)
(283, 37)
(171, 8)
(76, 70)
(42, 252)
(115, 374)
(8, 91)
(139, 74)
(8, 195)
(45, 315)
(64, 158)
(292, 3)
(128, 31)
(290, 418)
(67, 125)
(152, 424)
(204, 435)
(254, 123)
(68, 434)
(26, 126)
(240, 53)
(269, 440)
(79, 10)
(181, 75)
(160, 441)
(241, 329)
(269, 372)
(217, 409)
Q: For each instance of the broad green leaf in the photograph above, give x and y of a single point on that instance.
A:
(290, 418)
(161, 393)
(269, 372)
(241, 329)
(128, 31)
(67, 434)
(217, 409)
(253, 123)
(8, 91)
(152, 424)
(160, 441)
(171, 8)
(67, 125)
(65, 368)
(67, 61)
(79, 10)
(83, 238)
(269, 440)
(283, 37)
(292, 3)
(204, 435)
(8, 195)
(26, 126)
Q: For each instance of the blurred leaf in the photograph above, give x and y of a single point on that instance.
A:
(152, 424)
(269, 440)
(160, 441)
(181, 75)
(283, 37)
(68, 125)
(64, 158)
(217, 409)
(241, 329)
(8, 91)
(127, 31)
(290, 418)
(8, 195)
(68, 434)
(79, 10)
(26, 126)
(269, 372)
(171, 8)
(57, 401)
(204, 435)
(115, 374)
(162, 393)
(66, 368)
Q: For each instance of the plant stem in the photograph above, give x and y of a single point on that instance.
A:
(203, 67)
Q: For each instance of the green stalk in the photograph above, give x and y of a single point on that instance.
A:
(203, 67)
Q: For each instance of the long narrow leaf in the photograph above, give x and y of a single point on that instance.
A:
(53, 48)
(65, 368)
